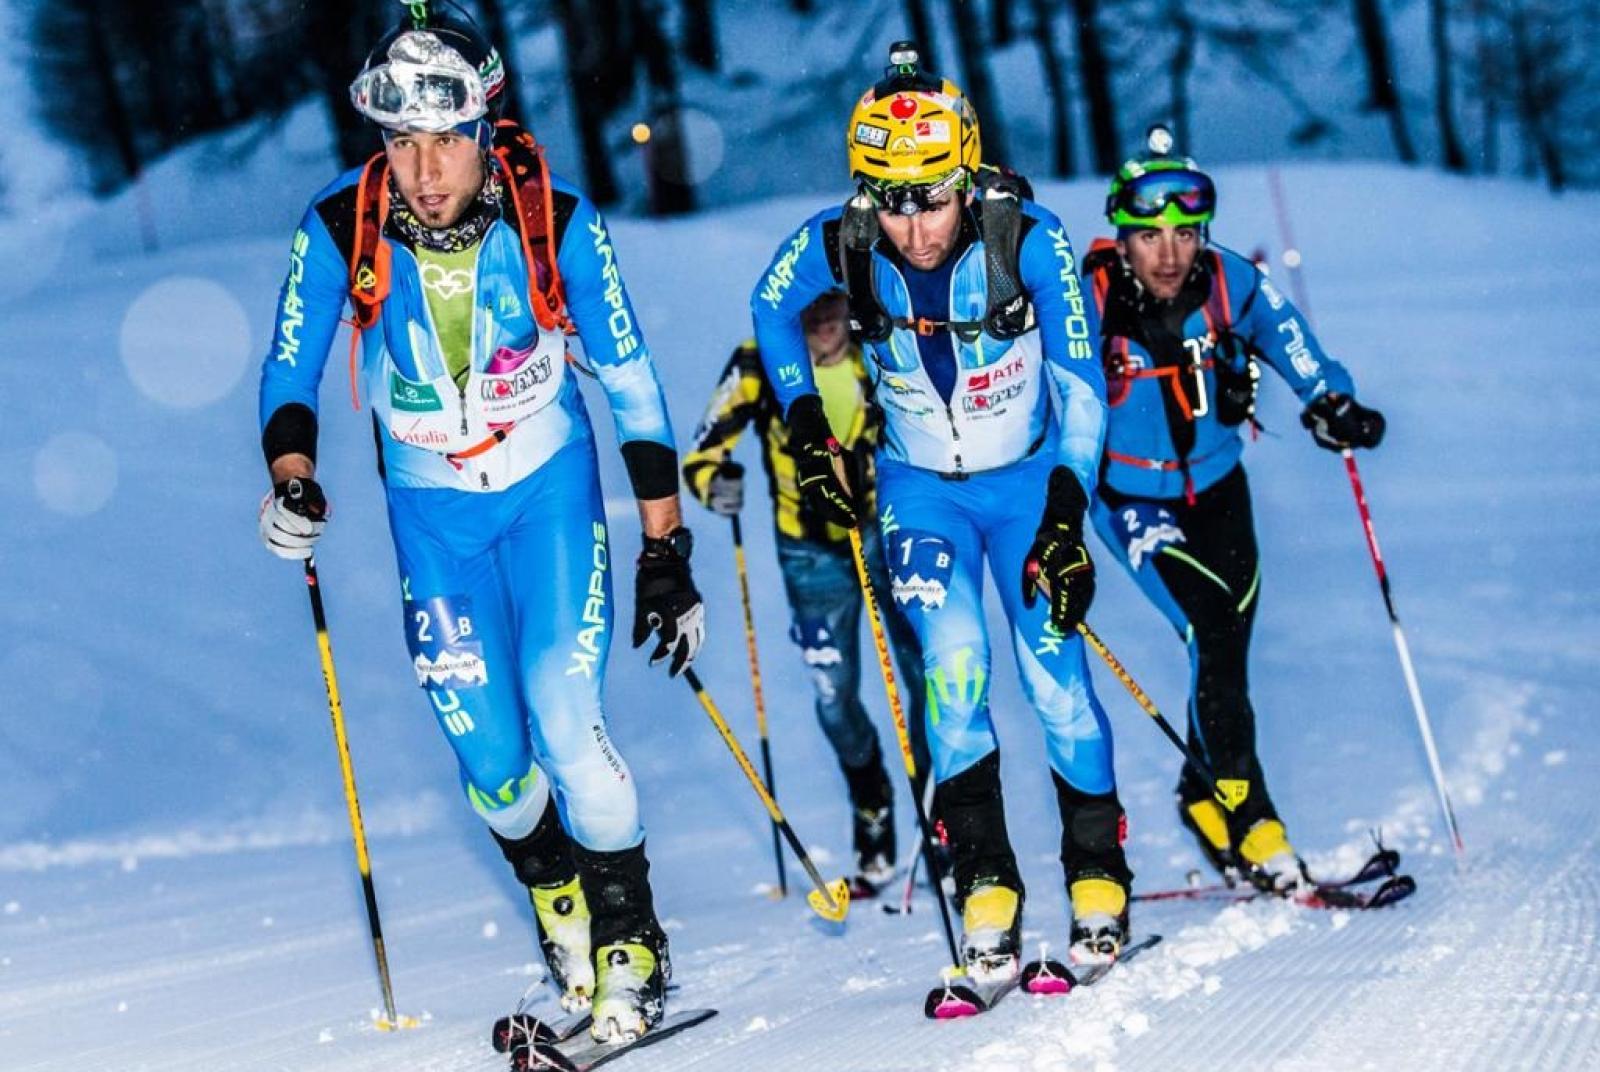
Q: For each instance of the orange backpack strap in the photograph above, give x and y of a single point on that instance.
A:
(527, 176)
(1113, 348)
(1218, 309)
(369, 258)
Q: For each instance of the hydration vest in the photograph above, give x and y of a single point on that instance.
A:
(1184, 383)
(1009, 313)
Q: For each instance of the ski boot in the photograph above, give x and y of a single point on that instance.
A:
(991, 934)
(631, 989)
(1205, 819)
(1099, 920)
(562, 918)
(631, 964)
(1270, 862)
(871, 825)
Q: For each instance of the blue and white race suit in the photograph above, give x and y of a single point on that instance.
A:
(505, 564)
(972, 432)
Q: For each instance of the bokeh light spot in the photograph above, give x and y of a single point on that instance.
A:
(185, 342)
(75, 473)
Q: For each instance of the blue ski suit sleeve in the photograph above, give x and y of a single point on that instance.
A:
(1069, 330)
(798, 274)
(310, 305)
(599, 306)
(1277, 332)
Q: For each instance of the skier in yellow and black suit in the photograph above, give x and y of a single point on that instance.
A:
(818, 574)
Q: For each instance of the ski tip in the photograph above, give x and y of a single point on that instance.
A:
(1047, 977)
(540, 1057)
(952, 1001)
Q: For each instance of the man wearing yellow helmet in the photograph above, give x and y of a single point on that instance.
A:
(983, 355)
(1184, 324)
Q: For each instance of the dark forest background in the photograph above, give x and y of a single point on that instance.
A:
(1514, 85)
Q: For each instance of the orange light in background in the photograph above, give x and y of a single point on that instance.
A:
(641, 133)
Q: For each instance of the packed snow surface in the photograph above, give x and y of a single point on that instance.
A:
(177, 887)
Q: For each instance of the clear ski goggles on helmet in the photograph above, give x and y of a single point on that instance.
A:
(908, 199)
(1149, 195)
(426, 87)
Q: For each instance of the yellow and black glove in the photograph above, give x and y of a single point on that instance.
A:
(1058, 562)
(817, 460)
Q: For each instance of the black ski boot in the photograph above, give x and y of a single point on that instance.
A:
(630, 950)
(871, 824)
(1093, 827)
(989, 890)
(543, 863)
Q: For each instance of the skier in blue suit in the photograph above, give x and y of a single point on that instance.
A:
(1186, 326)
(983, 354)
(466, 263)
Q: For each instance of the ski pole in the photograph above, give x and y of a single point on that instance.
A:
(913, 858)
(1142, 698)
(898, 715)
(363, 861)
(1293, 259)
(1405, 654)
(755, 687)
(829, 900)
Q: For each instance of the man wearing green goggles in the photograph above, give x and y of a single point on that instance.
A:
(1185, 325)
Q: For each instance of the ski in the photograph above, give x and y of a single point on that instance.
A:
(521, 1028)
(579, 1054)
(1382, 864)
(955, 1000)
(1046, 977)
(1391, 890)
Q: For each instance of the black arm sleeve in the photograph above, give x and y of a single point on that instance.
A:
(652, 469)
(292, 429)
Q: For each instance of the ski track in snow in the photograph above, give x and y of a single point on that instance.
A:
(177, 890)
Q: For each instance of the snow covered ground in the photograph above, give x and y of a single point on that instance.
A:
(177, 889)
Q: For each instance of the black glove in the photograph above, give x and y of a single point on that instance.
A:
(665, 600)
(1058, 561)
(1237, 386)
(293, 517)
(815, 451)
(1338, 422)
(725, 491)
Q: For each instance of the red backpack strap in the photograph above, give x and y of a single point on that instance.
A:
(1218, 308)
(527, 177)
(1113, 348)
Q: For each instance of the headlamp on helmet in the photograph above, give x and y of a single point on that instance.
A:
(1161, 189)
(910, 198)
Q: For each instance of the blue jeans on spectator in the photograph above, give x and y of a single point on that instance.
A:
(825, 601)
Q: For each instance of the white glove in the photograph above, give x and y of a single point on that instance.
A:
(725, 492)
(293, 515)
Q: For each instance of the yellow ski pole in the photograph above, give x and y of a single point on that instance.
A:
(830, 900)
(897, 714)
(755, 686)
(363, 862)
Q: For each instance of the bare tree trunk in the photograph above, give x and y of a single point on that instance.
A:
(600, 182)
(115, 117)
(1489, 87)
(1534, 100)
(1062, 159)
(1449, 140)
(1382, 93)
(667, 158)
(967, 18)
(1182, 68)
(500, 35)
(700, 35)
(340, 32)
(1000, 32)
(921, 29)
(1096, 74)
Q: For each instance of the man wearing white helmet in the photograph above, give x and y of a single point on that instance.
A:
(466, 263)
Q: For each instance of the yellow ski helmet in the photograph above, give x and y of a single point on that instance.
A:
(912, 127)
